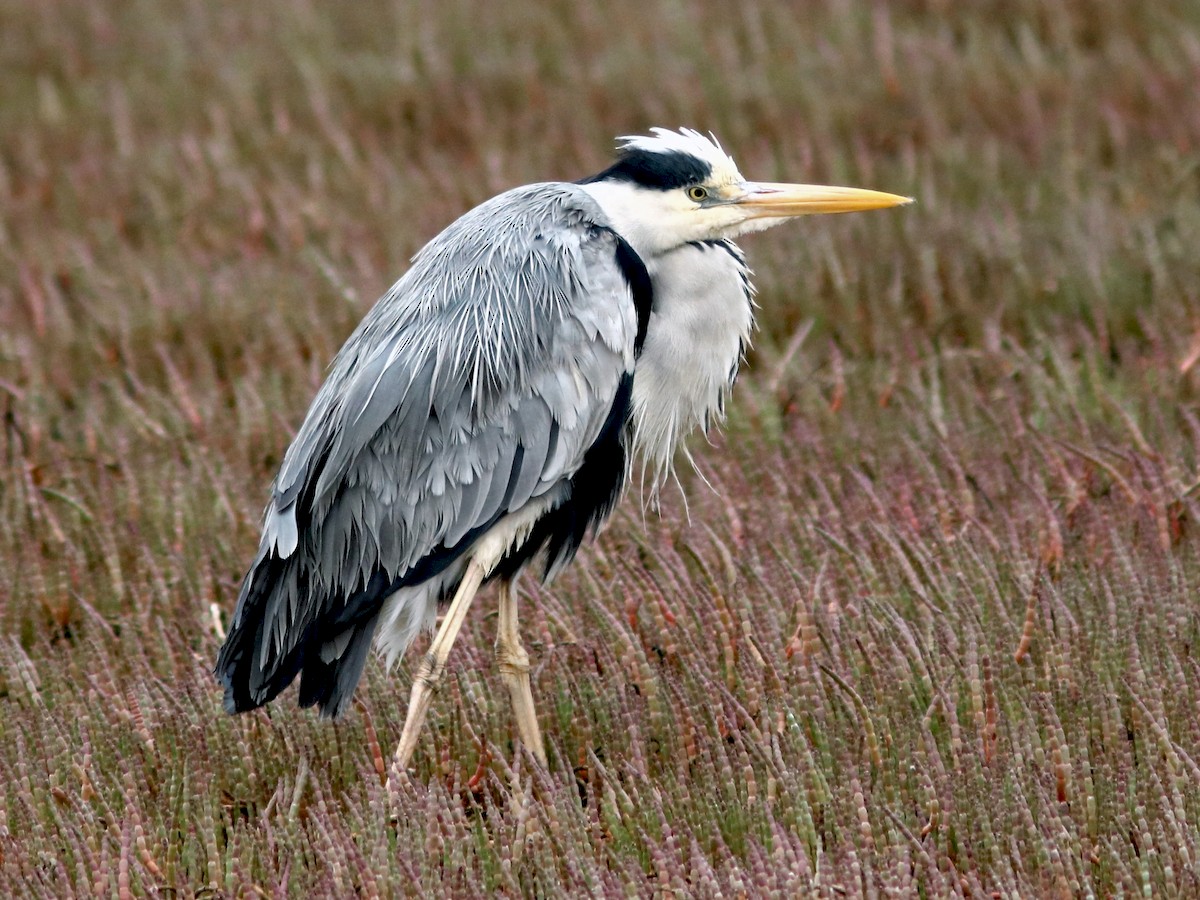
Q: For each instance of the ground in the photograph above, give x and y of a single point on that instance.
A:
(928, 620)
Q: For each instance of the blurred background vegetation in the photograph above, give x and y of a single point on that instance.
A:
(933, 630)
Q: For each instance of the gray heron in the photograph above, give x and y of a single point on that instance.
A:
(483, 416)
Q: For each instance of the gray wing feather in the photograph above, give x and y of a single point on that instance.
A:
(533, 424)
(476, 383)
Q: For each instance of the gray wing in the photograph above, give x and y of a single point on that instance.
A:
(476, 384)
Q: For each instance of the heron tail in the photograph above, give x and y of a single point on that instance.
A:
(250, 679)
(329, 656)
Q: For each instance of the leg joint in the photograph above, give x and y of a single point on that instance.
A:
(429, 671)
(511, 658)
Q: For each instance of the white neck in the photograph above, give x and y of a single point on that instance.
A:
(700, 323)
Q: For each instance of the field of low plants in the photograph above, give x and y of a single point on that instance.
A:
(924, 619)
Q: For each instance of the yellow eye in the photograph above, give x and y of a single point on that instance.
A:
(698, 193)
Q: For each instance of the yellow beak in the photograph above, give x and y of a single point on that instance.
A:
(769, 200)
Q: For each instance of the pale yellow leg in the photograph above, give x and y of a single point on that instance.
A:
(433, 664)
(514, 669)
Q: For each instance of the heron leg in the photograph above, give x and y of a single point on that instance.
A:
(433, 664)
(513, 662)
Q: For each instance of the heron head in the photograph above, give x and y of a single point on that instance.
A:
(673, 187)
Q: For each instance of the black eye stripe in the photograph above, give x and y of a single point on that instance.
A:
(665, 171)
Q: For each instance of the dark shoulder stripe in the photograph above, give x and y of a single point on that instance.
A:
(593, 492)
(637, 276)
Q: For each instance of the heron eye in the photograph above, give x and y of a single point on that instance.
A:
(698, 193)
